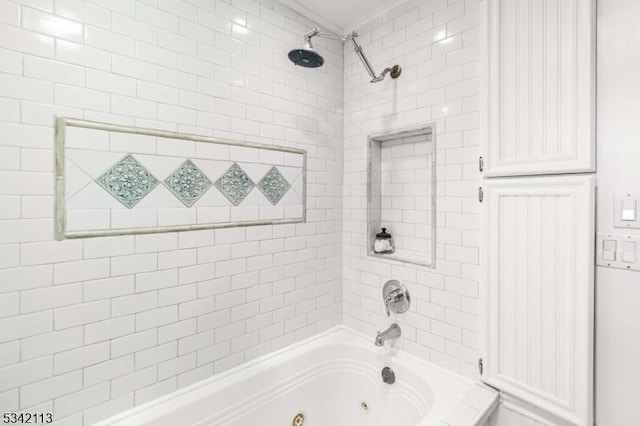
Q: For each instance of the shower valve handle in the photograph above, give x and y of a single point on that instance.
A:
(395, 297)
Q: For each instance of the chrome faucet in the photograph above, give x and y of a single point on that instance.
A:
(390, 333)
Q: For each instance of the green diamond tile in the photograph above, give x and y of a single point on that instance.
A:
(188, 183)
(128, 181)
(273, 185)
(235, 184)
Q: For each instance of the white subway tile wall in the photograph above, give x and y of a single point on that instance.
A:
(89, 328)
(436, 43)
(406, 189)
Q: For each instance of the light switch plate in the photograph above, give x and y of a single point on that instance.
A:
(626, 210)
(626, 251)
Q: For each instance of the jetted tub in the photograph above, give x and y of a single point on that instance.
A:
(332, 379)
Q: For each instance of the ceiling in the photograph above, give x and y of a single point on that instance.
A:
(340, 16)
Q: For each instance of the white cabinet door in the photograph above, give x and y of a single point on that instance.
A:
(537, 293)
(538, 86)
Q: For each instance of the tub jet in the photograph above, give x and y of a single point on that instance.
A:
(298, 420)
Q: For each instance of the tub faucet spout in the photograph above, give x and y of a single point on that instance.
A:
(390, 333)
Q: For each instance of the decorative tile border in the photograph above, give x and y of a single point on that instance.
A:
(132, 181)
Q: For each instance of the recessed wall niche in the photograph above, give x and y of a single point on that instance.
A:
(401, 193)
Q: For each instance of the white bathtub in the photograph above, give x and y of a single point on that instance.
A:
(327, 378)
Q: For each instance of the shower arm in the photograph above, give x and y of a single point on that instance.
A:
(394, 70)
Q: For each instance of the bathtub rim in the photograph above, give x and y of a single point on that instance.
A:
(140, 409)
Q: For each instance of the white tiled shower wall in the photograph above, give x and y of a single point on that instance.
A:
(89, 328)
(406, 191)
(436, 43)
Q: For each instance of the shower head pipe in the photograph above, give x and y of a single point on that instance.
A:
(395, 70)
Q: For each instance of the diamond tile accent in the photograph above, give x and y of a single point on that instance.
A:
(235, 184)
(128, 181)
(273, 185)
(188, 183)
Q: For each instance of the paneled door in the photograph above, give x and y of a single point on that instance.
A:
(537, 294)
(538, 86)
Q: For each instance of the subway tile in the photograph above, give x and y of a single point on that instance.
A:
(26, 372)
(86, 99)
(110, 82)
(156, 242)
(18, 327)
(80, 271)
(134, 68)
(156, 17)
(30, 42)
(9, 400)
(133, 107)
(9, 108)
(175, 366)
(156, 318)
(107, 370)
(51, 343)
(55, 71)
(82, 55)
(133, 343)
(52, 25)
(178, 258)
(156, 280)
(48, 389)
(110, 41)
(39, 160)
(77, 401)
(155, 391)
(123, 7)
(108, 288)
(156, 355)
(25, 183)
(134, 28)
(133, 381)
(79, 314)
(10, 207)
(134, 264)
(127, 305)
(81, 357)
(10, 13)
(9, 305)
(177, 295)
(108, 329)
(10, 353)
(24, 88)
(176, 330)
(108, 409)
(50, 297)
(83, 12)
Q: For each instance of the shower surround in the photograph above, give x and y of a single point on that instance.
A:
(92, 327)
(436, 43)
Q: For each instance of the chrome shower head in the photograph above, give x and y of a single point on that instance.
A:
(306, 56)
